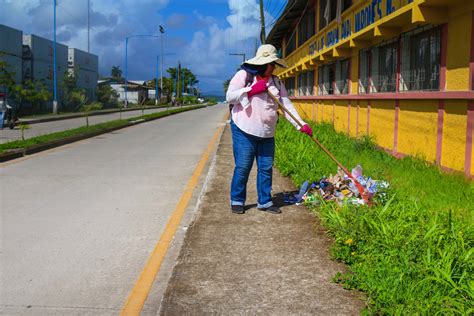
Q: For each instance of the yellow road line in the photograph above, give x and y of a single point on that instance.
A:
(142, 287)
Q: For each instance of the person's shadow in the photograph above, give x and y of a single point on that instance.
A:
(278, 200)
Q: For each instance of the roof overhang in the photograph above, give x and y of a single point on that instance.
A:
(285, 23)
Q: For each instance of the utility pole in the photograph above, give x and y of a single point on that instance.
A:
(262, 20)
(88, 25)
(156, 82)
(243, 55)
(162, 30)
(55, 95)
(178, 88)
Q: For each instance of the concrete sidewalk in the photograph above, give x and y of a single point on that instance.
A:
(256, 263)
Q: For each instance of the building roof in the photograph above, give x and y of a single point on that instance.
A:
(284, 25)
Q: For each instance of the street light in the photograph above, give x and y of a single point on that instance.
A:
(162, 30)
(55, 95)
(126, 61)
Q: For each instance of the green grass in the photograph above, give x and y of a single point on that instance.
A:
(17, 144)
(412, 255)
(74, 113)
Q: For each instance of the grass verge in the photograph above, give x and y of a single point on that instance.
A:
(83, 130)
(411, 255)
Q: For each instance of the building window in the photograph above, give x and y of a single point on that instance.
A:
(342, 77)
(421, 58)
(328, 10)
(364, 61)
(290, 86)
(306, 27)
(326, 79)
(306, 83)
(334, 78)
(384, 68)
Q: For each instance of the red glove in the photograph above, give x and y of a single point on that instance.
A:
(259, 87)
(307, 130)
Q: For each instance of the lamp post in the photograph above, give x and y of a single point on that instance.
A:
(55, 95)
(156, 83)
(162, 30)
(126, 62)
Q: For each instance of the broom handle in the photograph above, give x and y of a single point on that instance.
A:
(358, 185)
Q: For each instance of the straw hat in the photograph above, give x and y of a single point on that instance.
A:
(266, 54)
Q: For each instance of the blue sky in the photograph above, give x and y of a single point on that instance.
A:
(199, 33)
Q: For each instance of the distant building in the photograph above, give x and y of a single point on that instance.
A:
(11, 50)
(38, 61)
(86, 68)
(137, 91)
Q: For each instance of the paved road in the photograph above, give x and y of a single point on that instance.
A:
(7, 134)
(80, 221)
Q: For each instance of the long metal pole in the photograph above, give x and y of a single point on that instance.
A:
(126, 71)
(156, 82)
(88, 25)
(161, 65)
(55, 96)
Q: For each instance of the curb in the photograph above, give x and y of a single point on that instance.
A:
(72, 116)
(18, 153)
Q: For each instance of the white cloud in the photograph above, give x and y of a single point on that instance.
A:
(206, 53)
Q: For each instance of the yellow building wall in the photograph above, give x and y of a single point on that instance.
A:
(325, 111)
(454, 135)
(340, 116)
(353, 119)
(418, 128)
(307, 110)
(363, 118)
(382, 117)
(458, 52)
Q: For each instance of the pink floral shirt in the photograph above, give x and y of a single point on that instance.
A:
(258, 116)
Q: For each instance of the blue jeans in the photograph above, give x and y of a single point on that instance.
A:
(247, 148)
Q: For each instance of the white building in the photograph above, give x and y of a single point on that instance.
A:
(137, 91)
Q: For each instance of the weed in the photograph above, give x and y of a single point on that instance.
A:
(412, 253)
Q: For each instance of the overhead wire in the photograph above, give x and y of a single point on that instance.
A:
(277, 15)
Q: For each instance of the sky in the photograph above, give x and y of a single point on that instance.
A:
(200, 34)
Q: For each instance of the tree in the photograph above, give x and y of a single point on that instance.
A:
(107, 96)
(116, 73)
(186, 75)
(31, 92)
(89, 108)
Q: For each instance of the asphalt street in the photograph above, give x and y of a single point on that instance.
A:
(79, 222)
(38, 129)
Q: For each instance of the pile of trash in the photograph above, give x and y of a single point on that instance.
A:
(338, 188)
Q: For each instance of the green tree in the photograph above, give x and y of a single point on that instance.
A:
(116, 73)
(107, 96)
(69, 85)
(31, 92)
(88, 108)
(186, 74)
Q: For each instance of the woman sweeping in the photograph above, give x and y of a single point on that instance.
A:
(253, 122)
